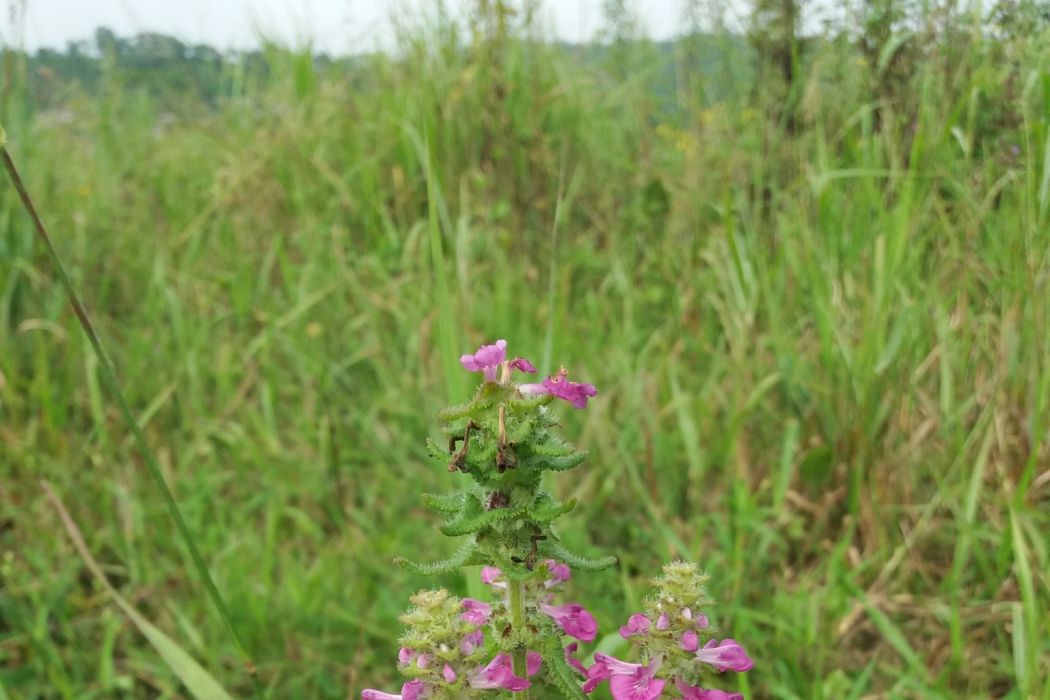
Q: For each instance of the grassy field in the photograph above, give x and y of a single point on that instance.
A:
(818, 316)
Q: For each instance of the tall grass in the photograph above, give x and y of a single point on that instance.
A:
(821, 346)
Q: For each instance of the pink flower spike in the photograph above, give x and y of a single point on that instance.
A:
(692, 692)
(570, 659)
(475, 612)
(498, 674)
(449, 674)
(575, 393)
(486, 359)
(726, 655)
(690, 642)
(522, 365)
(532, 663)
(574, 620)
(637, 624)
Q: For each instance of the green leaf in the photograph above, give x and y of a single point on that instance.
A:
(546, 509)
(444, 503)
(461, 558)
(473, 518)
(557, 551)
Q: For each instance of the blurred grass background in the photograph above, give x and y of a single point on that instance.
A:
(808, 273)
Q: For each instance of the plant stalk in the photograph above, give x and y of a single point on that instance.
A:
(517, 623)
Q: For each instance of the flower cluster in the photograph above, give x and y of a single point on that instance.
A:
(677, 639)
(444, 652)
(492, 359)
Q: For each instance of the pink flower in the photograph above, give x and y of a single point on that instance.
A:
(560, 387)
(413, 690)
(637, 624)
(690, 642)
(498, 674)
(692, 692)
(560, 573)
(702, 623)
(627, 681)
(449, 674)
(405, 655)
(475, 612)
(532, 663)
(491, 575)
(486, 359)
(471, 642)
(489, 358)
(726, 655)
(573, 619)
(570, 659)
(523, 365)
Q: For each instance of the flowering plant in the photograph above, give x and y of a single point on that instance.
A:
(504, 439)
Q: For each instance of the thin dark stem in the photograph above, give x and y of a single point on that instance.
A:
(110, 378)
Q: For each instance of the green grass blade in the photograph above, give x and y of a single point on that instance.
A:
(110, 377)
(192, 675)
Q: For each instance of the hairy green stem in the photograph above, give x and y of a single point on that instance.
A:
(517, 623)
(109, 376)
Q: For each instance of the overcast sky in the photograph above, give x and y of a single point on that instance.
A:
(338, 26)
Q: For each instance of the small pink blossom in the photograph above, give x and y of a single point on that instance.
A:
(726, 655)
(627, 681)
(491, 575)
(475, 612)
(449, 674)
(574, 620)
(560, 387)
(636, 624)
(499, 673)
(559, 573)
(692, 692)
(486, 359)
(522, 365)
(663, 622)
(471, 642)
(690, 642)
(412, 690)
(532, 663)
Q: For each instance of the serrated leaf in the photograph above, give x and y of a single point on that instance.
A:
(546, 509)
(552, 463)
(444, 503)
(557, 551)
(474, 523)
(461, 558)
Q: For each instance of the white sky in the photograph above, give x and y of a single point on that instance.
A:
(337, 26)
